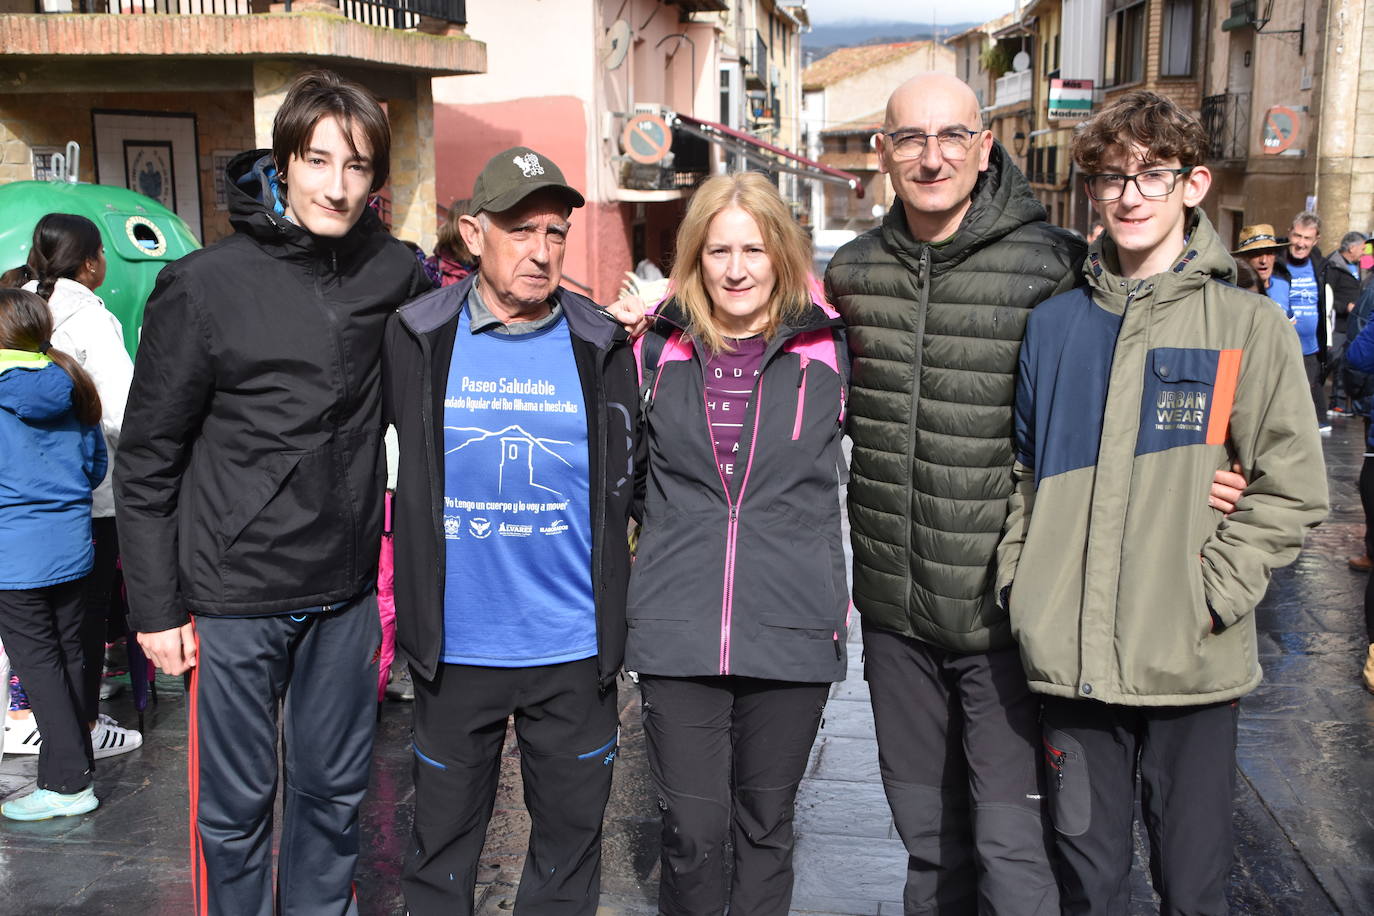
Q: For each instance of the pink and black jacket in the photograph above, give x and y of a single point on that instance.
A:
(746, 575)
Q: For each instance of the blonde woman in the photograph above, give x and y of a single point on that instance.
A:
(738, 603)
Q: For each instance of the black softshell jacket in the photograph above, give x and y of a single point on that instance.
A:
(419, 349)
(747, 581)
(249, 478)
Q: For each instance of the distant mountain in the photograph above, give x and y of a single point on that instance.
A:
(822, 39)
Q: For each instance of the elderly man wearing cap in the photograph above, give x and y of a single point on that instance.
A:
(1260, 248)
(515, 404)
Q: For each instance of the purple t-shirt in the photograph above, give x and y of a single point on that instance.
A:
(730, 379)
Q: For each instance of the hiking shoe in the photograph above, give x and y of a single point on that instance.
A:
(400, 686)
(1324, 430)
(1360, 563)
(22, 735)
(108, 739)
(41, 804)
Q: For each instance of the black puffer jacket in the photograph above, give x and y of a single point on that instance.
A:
(249, 478)
(935, 332)
(749, 581)
(419, 350)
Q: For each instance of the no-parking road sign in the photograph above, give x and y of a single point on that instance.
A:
(1280, 129)
(646, 138)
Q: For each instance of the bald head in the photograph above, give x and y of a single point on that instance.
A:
(933, 97)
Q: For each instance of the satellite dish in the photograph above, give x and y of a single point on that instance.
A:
(1021, 62)
(617, 44)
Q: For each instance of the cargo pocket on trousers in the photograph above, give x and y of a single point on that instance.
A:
(1066, 770)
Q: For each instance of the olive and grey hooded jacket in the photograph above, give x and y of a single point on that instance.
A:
(934, 331)
(1124, 585)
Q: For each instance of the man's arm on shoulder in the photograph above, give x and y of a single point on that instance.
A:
(170, 394)
(1275, 439)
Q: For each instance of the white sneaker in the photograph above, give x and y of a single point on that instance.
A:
(1325, 430)
(22, 735)
(108, 739)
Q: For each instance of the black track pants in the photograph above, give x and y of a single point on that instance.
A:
(319, 671)
(40, 628)
(567, 727)
(727, 755)
(1185, 758)
(959, 749)
(98, 598)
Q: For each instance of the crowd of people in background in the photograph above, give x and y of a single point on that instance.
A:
(1046, 624)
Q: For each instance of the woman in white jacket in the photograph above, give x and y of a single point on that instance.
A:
(66, 265)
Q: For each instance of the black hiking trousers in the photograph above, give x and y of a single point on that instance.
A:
(567, 725)
(1185, 760)
(959, 751)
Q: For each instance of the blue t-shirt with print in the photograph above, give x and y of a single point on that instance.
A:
(1303, 304)
(517, 519)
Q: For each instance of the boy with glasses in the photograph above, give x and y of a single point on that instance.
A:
(1133, 608)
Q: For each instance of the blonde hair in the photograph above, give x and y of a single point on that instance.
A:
(787, 247)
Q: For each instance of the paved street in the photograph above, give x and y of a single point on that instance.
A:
(1304, 806)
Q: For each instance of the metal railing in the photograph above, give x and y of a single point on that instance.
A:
(395, 14)
(1226, 118)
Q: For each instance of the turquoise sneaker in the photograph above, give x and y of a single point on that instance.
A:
(41, 804)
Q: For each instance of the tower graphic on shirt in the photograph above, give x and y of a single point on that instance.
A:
(511, 456)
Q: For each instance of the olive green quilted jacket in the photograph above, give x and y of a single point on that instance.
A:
(935, 330)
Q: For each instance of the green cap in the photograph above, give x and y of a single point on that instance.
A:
(511, 176)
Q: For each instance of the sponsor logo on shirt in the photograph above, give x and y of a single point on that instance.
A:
(453, 526)
(508, 530)
(557, 527)
(479, 527)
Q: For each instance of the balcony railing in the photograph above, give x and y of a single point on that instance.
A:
(756, 62)
(1226, 118)
(395, 14)
(1012, 88)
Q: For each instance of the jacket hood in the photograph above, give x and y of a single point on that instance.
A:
(257, 208)
(32, 387)
(68, 297)
(429, 312)
(1002, 202)
(818, 316)
(1204, 258)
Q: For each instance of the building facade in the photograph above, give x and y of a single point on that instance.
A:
(845, 94)
(637, 101)
(160, 96)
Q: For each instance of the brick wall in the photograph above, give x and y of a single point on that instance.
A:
(224, 121)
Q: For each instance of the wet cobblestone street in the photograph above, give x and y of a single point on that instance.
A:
(1304, 806)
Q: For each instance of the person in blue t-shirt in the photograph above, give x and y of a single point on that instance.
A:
(515, 404)
(1260, 248)
(1306, 308)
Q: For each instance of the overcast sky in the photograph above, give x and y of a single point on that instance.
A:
(825, 12)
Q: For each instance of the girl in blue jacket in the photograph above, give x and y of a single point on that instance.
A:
(52, 456)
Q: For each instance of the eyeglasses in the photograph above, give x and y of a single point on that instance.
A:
(910, 144)
(1150, 183)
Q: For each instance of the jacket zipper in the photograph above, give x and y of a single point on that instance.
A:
(801, 398)
(598, 481)
(923, 293)
(727, 598)
(335, 331)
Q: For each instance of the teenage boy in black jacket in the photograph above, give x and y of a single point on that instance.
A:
(515, 403)
(249, 487)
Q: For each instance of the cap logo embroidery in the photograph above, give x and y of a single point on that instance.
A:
(529, 164)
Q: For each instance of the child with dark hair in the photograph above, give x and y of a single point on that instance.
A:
(1133, 606)
(51, 457)
(66, 265)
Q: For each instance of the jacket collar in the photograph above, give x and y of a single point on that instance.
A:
(674, 317)
(68, 297)
(586, 320)
(1204, 258)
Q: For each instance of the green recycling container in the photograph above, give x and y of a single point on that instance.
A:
(141, 237)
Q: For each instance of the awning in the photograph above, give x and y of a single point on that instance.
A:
(766, 154)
